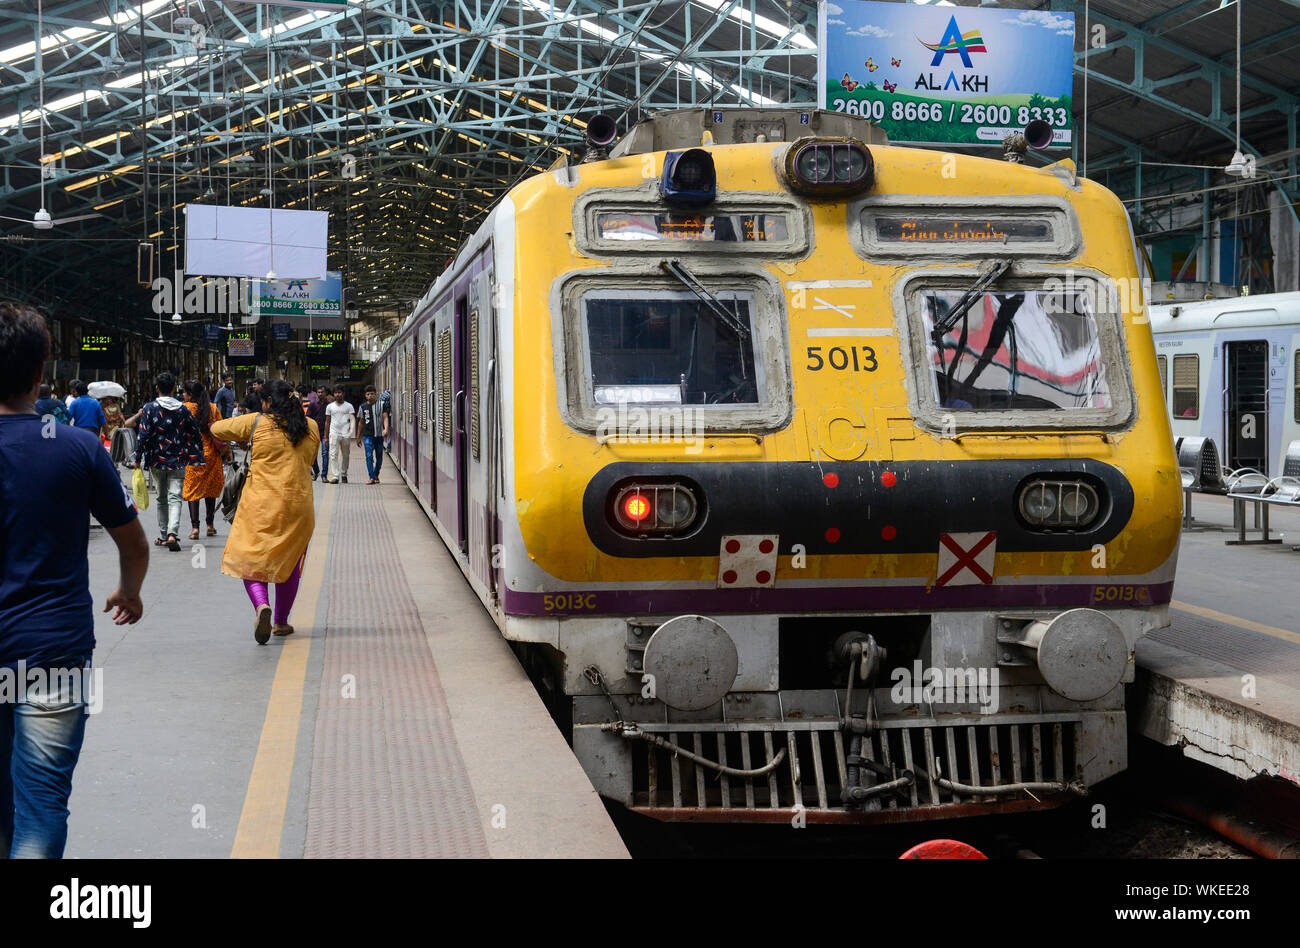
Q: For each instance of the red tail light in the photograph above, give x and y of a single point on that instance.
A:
(656, 509)
(636, 507)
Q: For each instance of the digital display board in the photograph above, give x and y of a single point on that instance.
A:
(724, 228)
(99, 350)
(359, 366)
(961, 229)
(329, 346)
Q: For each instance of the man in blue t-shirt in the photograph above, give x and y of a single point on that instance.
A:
(86, 412)
(53, 478)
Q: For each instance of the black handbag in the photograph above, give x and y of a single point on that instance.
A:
(236, 476)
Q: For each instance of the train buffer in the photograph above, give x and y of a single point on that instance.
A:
(395, 721)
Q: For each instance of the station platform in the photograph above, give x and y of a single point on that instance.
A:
(395, 722)
(1224, 680)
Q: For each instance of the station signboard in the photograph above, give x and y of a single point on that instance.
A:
(947, 75)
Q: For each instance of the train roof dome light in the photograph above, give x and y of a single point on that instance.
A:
(689, 179)
(822, 167)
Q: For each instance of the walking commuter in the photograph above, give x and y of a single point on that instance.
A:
(47, 404)
(206, 481)
(274, 520)
(86, 411)
(50, 486)
(315, 410)
(168, 441)
(225, 397)
(323, 397)
(372, 428)
(343, 419)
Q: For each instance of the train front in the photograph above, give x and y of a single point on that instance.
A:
(842, 488)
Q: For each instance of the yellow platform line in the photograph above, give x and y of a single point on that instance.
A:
(1274, 631)
(261, 824)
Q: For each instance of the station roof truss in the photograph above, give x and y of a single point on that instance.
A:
(440, 107)
(437, 108)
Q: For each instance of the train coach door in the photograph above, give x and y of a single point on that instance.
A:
(1246, 405)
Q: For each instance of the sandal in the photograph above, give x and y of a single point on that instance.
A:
(212, 531)
(282, 629)
(161, 541)
(173, 543)
(194, 534)
(262, 631)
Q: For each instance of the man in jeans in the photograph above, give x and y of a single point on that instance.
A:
(168, 440)
(372, 428)
(53, 478)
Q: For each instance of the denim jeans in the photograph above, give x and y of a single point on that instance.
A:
(170, 483)
(325, 454)
(40, 740)
(374, 456)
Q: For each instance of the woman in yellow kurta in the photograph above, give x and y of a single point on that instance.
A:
(275, 518)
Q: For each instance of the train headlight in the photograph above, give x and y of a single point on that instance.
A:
(1069, 505)
(659, 509)
(829, 167)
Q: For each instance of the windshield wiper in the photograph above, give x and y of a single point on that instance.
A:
(943, 326)
(729, 319)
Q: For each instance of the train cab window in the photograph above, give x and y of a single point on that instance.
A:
(1187, 386)
(670, 349)
(1163, 362)
(721, 363)
(1046, 355)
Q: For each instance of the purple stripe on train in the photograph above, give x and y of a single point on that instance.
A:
(831, 599)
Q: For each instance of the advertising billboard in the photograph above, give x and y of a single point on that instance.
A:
(299, 297)
(947, 75)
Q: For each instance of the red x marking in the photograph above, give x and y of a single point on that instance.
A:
(966, 558)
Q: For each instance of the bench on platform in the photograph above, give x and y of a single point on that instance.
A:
(1281, 491)
(1198, 462)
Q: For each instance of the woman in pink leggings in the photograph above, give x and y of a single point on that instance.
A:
(275, 519)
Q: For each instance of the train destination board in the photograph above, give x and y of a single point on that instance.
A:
(729, 228)
(965, 229)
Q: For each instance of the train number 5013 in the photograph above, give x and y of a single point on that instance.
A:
(842, 358)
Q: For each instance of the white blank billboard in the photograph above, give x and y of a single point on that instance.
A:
(252, 241)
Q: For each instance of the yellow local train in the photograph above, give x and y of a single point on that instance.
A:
(815, 479)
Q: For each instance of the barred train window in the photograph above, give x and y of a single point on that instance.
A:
(666, 347)
(1297, 385)
(444, 385)
(1027, 350)
(424, 380)
(473, 383)
(1163, 362)
(1187, 386)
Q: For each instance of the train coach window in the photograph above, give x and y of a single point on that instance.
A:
(1187, 386)
(1163, 362)
(1296, 393)
(1022, 350)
